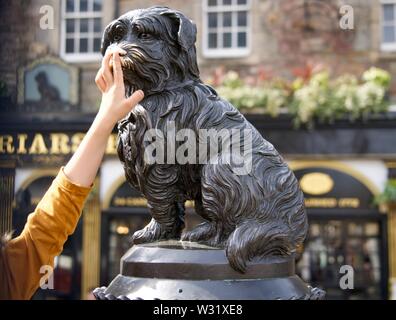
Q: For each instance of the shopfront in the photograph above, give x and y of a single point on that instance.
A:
(345, 228)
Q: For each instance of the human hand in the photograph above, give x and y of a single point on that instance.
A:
(114, 105)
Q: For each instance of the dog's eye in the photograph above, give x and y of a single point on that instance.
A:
(144, 36)
(117, 37)
(118, 33)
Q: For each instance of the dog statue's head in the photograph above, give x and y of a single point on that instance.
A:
(160, 46)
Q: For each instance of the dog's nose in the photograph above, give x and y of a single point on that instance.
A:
(115, 47)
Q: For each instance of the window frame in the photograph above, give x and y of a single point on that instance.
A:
(233, 52)
(80, 56)
(387, 46)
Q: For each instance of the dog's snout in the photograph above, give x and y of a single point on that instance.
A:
(115, 47)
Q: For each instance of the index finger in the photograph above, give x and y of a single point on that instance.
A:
(117, 70)
(106, 67)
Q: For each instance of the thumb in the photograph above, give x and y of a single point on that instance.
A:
(134, 99)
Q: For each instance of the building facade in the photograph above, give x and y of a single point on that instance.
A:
(48, 99)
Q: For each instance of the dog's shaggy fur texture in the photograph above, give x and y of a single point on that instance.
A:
(252, 216)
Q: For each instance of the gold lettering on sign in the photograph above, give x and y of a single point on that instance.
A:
(321, 202)
(349, 203)
(22, 143)
(130, 202)
(76, 140)
(332, 203)
(38, 145)
(6, 144)
(59, 143)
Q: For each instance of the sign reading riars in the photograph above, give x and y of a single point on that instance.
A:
(35, 147)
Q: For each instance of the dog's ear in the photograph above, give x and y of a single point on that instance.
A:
(187, 30)
(105, 38)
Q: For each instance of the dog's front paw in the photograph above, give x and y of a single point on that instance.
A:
(150, 233)
(201, 233)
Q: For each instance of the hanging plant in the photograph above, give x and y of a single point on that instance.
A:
(268, 98)
(317, 98)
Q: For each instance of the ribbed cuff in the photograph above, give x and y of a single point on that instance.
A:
(64, 182)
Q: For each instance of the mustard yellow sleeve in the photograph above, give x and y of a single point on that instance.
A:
(43, 236)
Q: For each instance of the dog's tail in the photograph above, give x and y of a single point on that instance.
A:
(255, 238)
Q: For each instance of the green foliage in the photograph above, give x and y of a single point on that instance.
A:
(250, 97)
(318, 98)
(378, 76)
(389, 193)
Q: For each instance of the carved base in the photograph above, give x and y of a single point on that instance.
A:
(177, 270)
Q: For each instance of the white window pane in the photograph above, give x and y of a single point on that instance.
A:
(242, 18)
(69, 45)
(70, 25)
(212, 40)
(83, 45)
(212, 20)
(389, 34)
(242, 40)
(227, 28)
(83, 25)
(212, 3)
(227, 19)
(97, 25)
(227, 40)
(388, 12)
(70, 6)
(96, 44)
(82, 35)
(97, 5)
(83, 5)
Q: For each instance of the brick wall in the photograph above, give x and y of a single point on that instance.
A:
(16, 37)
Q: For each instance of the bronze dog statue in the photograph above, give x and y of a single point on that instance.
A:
(255, 215)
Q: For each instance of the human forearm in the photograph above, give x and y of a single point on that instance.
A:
(83, 166)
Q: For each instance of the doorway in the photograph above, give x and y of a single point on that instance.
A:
(358, 240)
